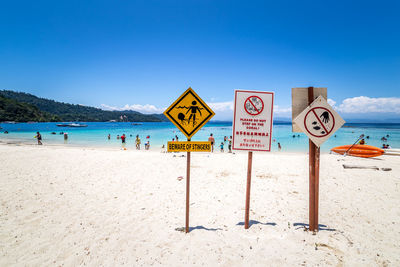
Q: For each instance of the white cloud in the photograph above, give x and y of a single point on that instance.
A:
(221, 106)
(282, 111)
(331, 102)
(365, 104)
(224, 110)
(147, 108)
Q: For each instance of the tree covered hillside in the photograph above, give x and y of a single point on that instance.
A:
(71, 112)
(12, 110)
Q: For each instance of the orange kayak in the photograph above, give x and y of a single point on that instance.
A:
(363, 151)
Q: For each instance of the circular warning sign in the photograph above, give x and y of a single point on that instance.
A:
(319, 122)
(253, 105)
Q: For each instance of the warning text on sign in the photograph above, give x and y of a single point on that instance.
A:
(189, 147)
(252, 124)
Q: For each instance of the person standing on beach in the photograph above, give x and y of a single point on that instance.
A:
(39, 138)
(212, 140)
(279, 146)
(65, 136)
(109, 136)
(123, 137)
(137, 141)
(230, 144)
(222, 147)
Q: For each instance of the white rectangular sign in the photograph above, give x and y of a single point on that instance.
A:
(319, 121)
(300, 101)
(252, 122)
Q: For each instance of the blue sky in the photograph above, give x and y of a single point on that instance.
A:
(143, 54)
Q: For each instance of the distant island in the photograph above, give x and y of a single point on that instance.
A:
(24, 107)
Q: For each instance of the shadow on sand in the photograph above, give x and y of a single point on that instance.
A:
(321, 227)
(251, 222)
(200, 227)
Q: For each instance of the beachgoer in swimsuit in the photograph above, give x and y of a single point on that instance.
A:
(212, 140)
(39, 138)
(137, 141)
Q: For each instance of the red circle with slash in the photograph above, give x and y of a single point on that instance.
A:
(257, 108)
(312, 112)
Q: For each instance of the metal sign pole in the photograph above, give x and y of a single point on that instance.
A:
(187, 190)
(314, 155)
(246, 216)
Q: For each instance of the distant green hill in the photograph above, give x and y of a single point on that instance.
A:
(12, 110)
(51, 110)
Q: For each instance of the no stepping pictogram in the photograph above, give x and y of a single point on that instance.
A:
(253, 105)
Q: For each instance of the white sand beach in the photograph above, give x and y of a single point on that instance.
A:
(64, 206)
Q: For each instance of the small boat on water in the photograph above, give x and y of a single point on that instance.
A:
(363, 151)
(71, 125)
(77, 125)
(134, 123)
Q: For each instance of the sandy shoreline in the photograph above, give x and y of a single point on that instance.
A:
(94, 206)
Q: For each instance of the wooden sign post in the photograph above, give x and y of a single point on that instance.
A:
(252, 130)
(189, 113)
(318, 120)
(246, 215)
(187, 190)
(313, 155)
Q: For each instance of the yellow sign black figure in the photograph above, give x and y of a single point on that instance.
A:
(189, 113)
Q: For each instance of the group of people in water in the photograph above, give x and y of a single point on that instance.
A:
(222, 144)
(138, 142)
(211, 139)
(384, 139)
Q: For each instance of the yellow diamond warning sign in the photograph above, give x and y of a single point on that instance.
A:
(189, 113)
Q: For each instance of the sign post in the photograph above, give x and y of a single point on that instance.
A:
(318, 121)
(313, 157)
(187, 190)
(252, 130)
(189, 113)
(248, 185)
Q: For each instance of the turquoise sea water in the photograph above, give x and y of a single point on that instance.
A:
(95, 135)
